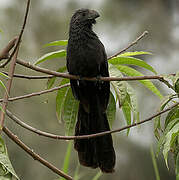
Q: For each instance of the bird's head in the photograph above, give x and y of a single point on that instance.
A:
(84, 17)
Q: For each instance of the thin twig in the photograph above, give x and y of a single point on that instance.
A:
(49, 135)
(69, 76)
(12, 68)
(9, 83)
(30, 77)
(130, 45)
(4, 54)
(14, 138)
(37, 93)
(19, 37)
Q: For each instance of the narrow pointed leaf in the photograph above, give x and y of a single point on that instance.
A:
(132, 61)
(126, 108)
(154, 162)
(57, 43)
(170, 137)
(163, 137)
(6, 169)
(76, 174)
(2, 74)
(51, 81)
(51, 55)
(3, 85)
(132, 72)
(119, 86)
(60, 99)
(157, 125)
(173, 114)
(70, 112)
(97, 176)
(133, 103)
(111, 110)
(134, 53)
(66, 162)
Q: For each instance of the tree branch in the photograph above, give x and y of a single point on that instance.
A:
(30, 77)
(14, 138)
(130, 45)
(9, 83)
(53, 136)
(4, 54)
(69, 76)
(12, 68)
(37, 93)
(19, 37)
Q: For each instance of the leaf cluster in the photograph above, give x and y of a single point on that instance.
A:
(168, 132)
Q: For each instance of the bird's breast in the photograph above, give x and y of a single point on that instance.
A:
(83, 60)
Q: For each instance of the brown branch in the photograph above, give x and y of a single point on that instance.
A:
(37, 93)
(30, 77)
(4, 54)
(69, 76)
(9, 83)
(49, 135)
(130, 45)
(14, 138)
(12, 68)
(19, 37)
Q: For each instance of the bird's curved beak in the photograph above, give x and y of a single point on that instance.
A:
(93, 14)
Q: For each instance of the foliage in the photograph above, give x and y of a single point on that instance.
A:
(168, 134)
(6, 170)
(122, 96)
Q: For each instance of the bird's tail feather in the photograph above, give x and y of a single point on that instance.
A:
(98, 151)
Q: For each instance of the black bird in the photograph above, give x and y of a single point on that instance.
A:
(86, 57)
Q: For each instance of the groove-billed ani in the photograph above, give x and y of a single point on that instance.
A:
(86, 57)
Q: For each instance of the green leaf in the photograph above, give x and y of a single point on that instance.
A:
(2, 85)
(154, 162)
(176, 86)
(60, 99)
(57, 43)
(67, 159)
(6, 169)
(163, 104)
(132, 72)
(162, 139)
(126, 108)
(70, 112)
(2, 74)
(97, 176)
(135, 53)
(132, 61)
(118, 86)
(170, 137)
(111, 110)
(51, 81)
(51, 55)
(133, 103)
(76, 175)
(173, 114)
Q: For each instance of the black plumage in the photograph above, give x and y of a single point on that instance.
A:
(86, 57)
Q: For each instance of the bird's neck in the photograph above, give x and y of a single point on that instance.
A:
(81, 33)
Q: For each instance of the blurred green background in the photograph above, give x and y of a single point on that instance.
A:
(120, 23)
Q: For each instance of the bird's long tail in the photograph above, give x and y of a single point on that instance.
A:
(98, 151)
